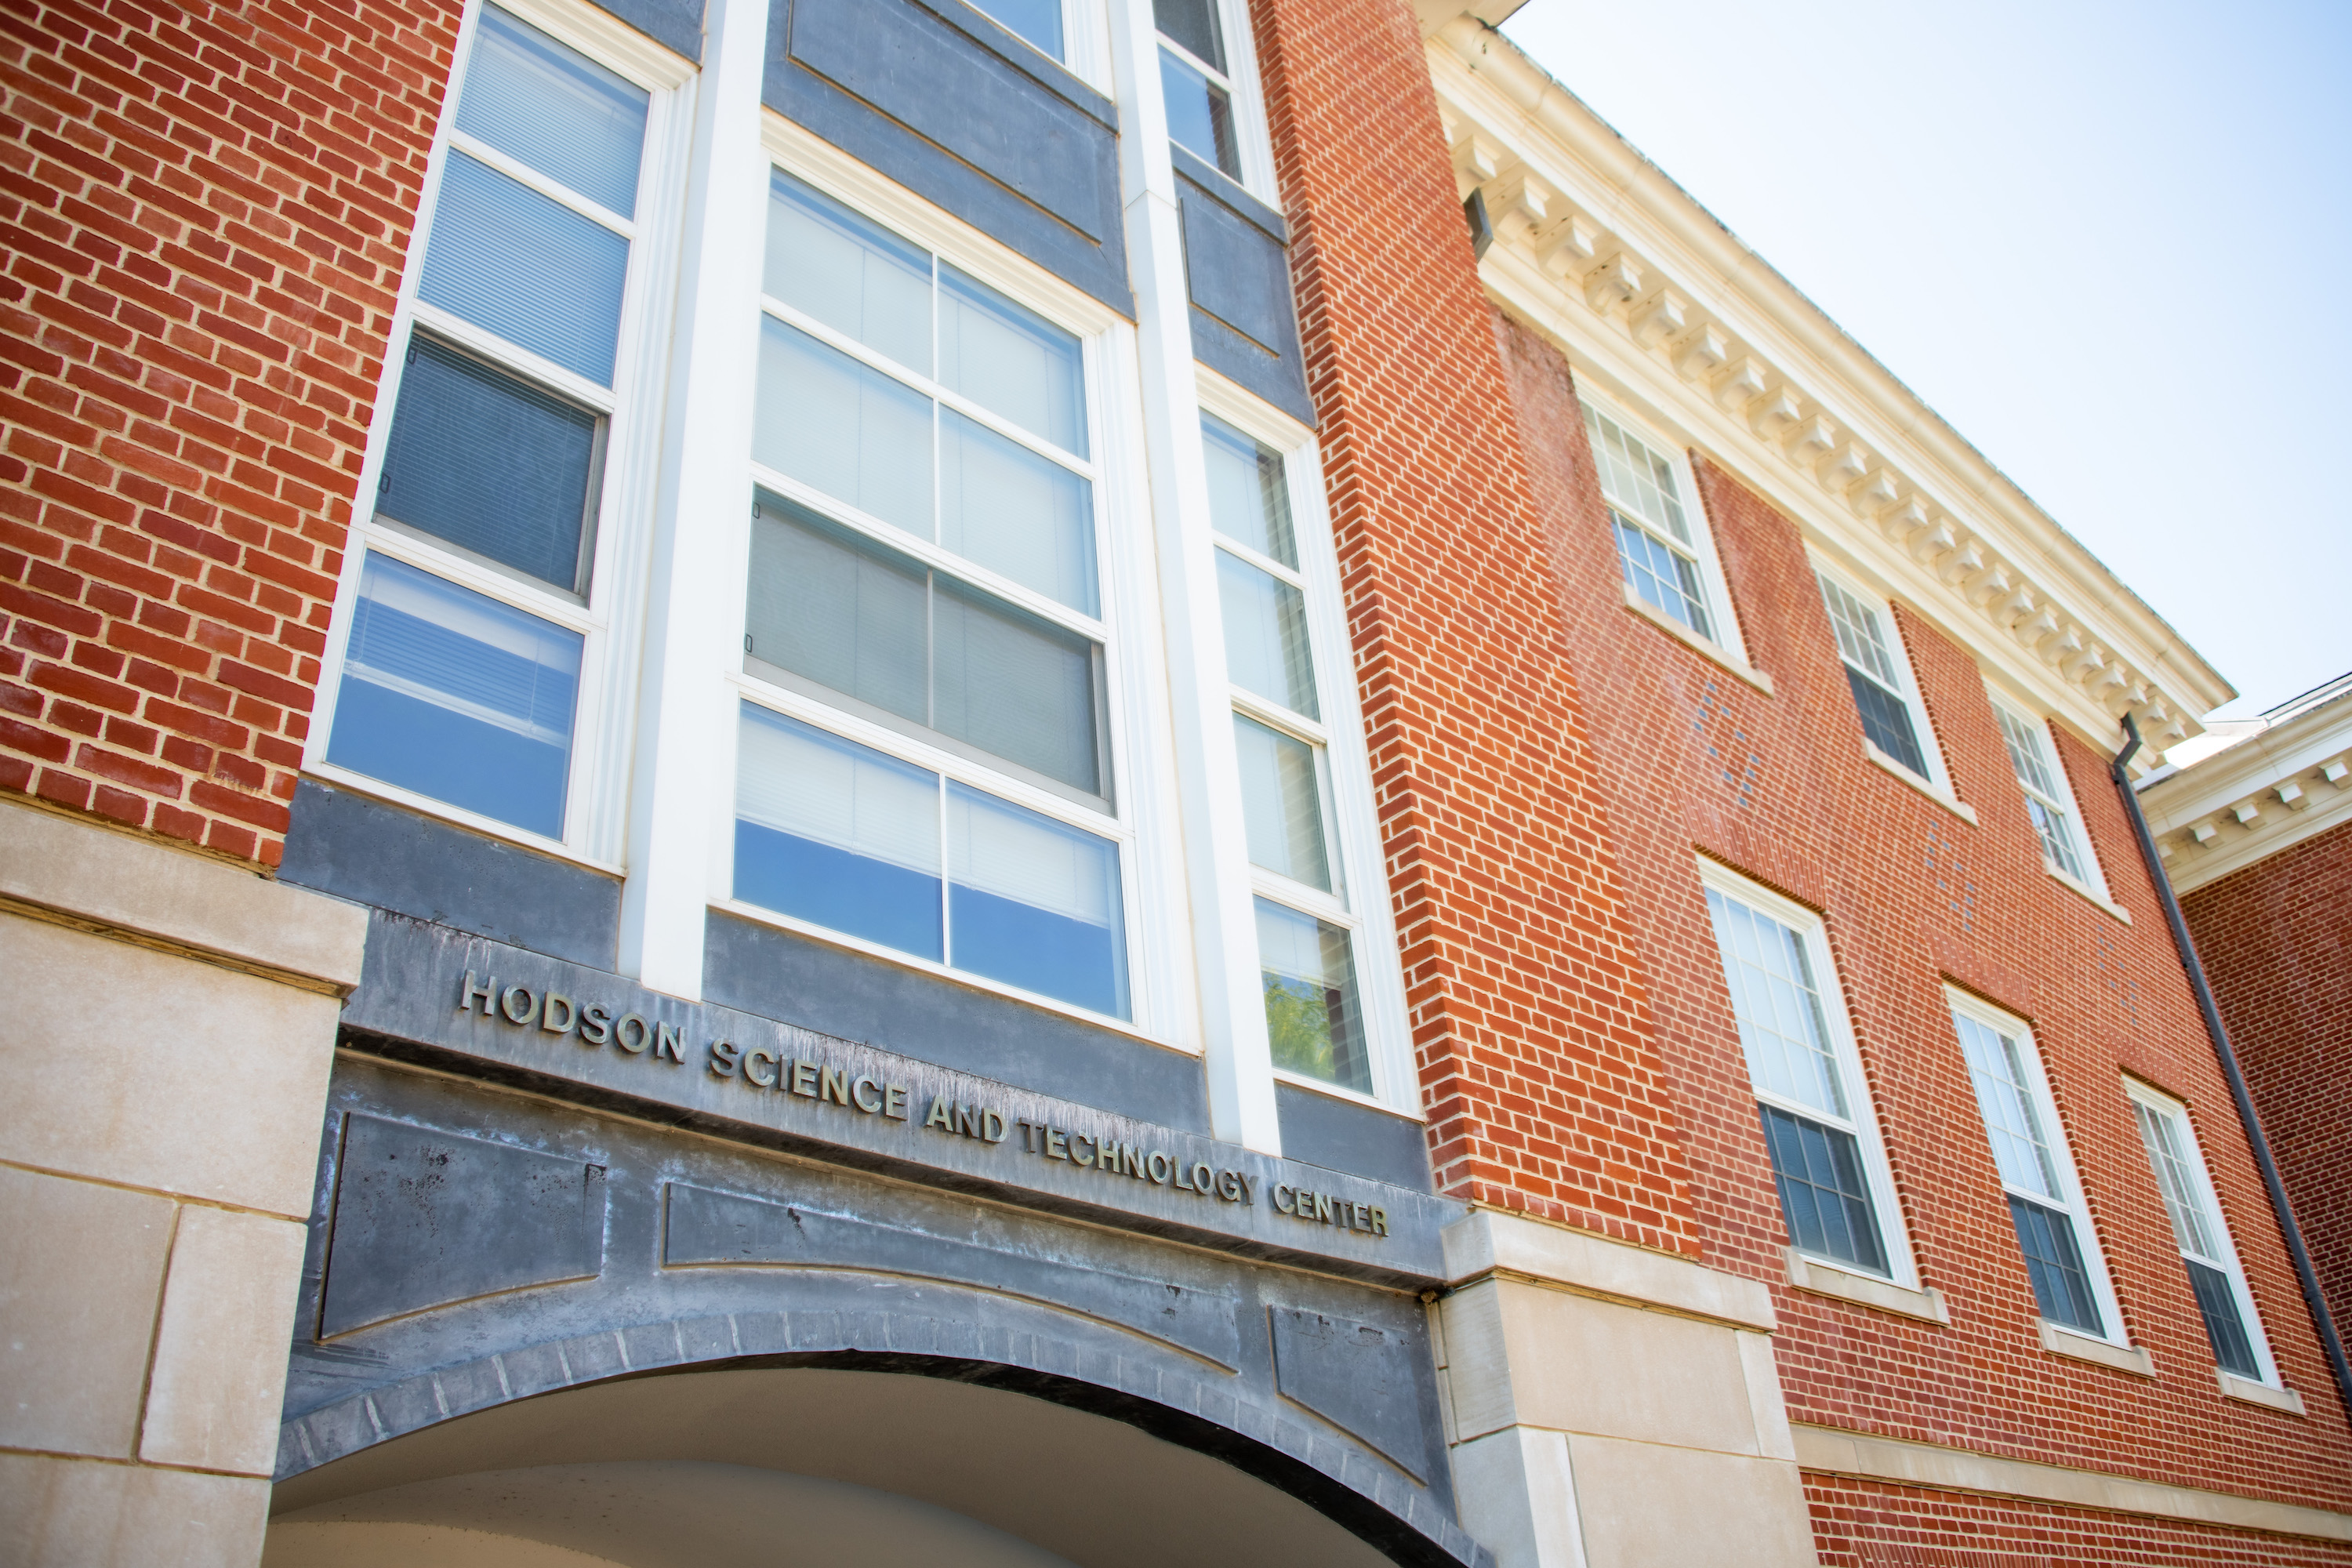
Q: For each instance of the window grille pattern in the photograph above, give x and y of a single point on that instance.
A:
(2037, 774)
(1874, 678)
(2040, 1207)
(1810, 1129)
(1655, 551)
(2197, 1227)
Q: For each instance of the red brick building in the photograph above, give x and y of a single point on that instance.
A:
(1301, 631)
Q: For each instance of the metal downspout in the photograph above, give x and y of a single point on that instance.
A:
(2229, 1058)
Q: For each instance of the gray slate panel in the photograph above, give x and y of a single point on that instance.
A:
(773, 972)
(1340, 1135)
(706, 1228)
(1236, 267)
(424, 1218)
(343, 843)
(1356, 1375)
(675, 25)
(945, 101)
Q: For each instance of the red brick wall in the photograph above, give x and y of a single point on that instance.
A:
(205, 210)
(1534, 1039)
(1691, 760)
(1867, 1524)
(2276, 942)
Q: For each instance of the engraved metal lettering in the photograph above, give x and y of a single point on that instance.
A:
(620, 1037)
(547, 1010)
(595, 1026)
(754, 1061)
(724, 1058)
(894, 1101)
(1077, 1155)
(1286, 1200)
(992, 1126)
(669, 1040)
(1158, 1167)
(1058, 1143)
(940, 1116)
(804, 1080)
(859, 1088)
(467, 990)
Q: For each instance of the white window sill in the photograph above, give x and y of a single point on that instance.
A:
(1942, 797)
(1711, 648)
(2089, 893)
(2262, 1394)
(1866, 1290)
(2133, 1358)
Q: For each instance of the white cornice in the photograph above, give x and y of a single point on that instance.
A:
(1597, 249)
(2290, 782)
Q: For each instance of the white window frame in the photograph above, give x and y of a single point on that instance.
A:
(1726, 633)
(2094, 881)
(1360, 901)
(2077, 1205)
(612, 618)
(1252, 139)
(1141, 823)
(1085, 42)
(1914, 703)
(2202, 1177)
(1813, 931)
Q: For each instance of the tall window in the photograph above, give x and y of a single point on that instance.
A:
(1806, 1077)
(2047, 801)
(2219, 1284)
(1305, 932)
(1881, 693)
(1657, 549)
(924, 580)
(1197, 82)
(1038, 21)
(475, 595)
(2035, 1173)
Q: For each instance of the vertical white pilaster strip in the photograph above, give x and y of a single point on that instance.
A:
(1239, 1061)
(701, 519)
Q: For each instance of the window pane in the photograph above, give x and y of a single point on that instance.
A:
(1039, 21)
(1886, 721)
(555, 110)
(527, 267)
(1017, 687)
(1248, 500)
(1782, 1028)
(829, 606)
(1859, 640)
(2168, 1157)
(2225, 1331)
(1200, 115)
(1035, 903)
(1193, 24)
(1635, 477)
(1664, 579)
(2054, 1264)
(1998, 1070)
(458, 696)
(1823, 1195)
(1265, 635)
(836, 834)
(1282, 804)
(2056, 831)
(2027, 754)
(1312, 1017)
(1021, 515)
(490, 463)
(845, 428)
(849, 272)
(1012, 360)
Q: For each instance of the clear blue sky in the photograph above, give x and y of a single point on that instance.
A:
(2109, 243)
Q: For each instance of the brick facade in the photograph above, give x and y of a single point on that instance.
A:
(207, 211)
(2276, 943)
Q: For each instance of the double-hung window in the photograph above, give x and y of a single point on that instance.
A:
(1835, 1189)
(472, 613)
(924, 760)
(2214, 1276)
(2047, 799)
(1874, 672)
(2028, 1149)
(1305, 934)
(1658, 551)
(1196, 83)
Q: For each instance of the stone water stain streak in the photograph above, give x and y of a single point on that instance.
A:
(592, 1037)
